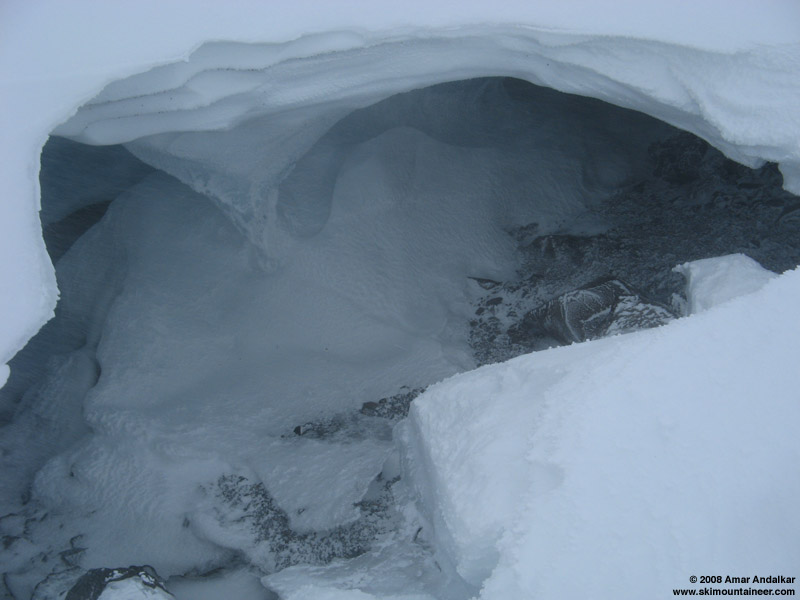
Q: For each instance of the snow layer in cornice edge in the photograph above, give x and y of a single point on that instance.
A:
(55, 56)
(742, 103)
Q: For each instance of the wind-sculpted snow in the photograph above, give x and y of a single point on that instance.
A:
(729, 77)
(223, 84)
(276, 180)
(298, 237)
(235, 119)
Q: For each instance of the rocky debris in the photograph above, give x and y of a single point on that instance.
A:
(335, 427)
(112, 583)
(373, 420)
(247, 511)
(345, 428)
(250, 511)
(595, 310)
(694, 203)
(679, 159)
(394, 407)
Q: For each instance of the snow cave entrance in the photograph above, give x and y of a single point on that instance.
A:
(236, 349)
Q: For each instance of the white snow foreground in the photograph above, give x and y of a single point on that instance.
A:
(727, 74)
(713, 281)
(619, 468)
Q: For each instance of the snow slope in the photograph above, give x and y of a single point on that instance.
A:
(620, 467)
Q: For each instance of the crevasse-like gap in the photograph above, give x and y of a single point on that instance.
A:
(224, 415)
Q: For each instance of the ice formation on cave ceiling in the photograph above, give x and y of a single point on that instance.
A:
(728, 75)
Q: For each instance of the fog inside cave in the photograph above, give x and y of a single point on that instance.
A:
(221, 406)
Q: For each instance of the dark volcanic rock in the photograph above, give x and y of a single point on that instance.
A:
(92, 584)
(595, 310)
(394, 407)
(678, 159)
(249, 512)
(373, 420)
(691, 203)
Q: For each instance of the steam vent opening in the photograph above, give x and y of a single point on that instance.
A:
(246, 315)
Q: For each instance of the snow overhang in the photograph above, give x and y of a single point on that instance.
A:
(727, 73)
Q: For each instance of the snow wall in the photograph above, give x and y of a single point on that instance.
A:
(726, 73)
